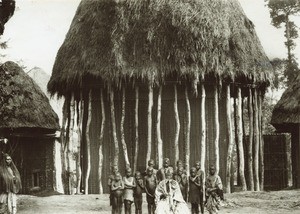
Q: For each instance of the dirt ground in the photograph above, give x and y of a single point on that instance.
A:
(241, 202)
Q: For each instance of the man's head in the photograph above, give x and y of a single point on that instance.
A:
(149, 171)
(8, 160)
(138, 175)
(115, 169)
(180, 170)
(166, 162)
(169, 173)
(128, 171)
(212, 170)
(179, 163)
(151, 163)
(193, 171)
(198, 165)
(118, 176)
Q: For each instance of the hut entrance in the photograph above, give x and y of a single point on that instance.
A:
(277, 156)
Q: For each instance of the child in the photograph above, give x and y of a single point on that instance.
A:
(150, 186)
(195, 192)
(117, 187)
(114, 171)
(181, 178)
(137, 193)
(129, 185)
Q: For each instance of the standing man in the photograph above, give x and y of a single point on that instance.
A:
(161, 173)
(214, 191)
(10, 184)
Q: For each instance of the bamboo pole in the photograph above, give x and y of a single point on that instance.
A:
(136, 128)
(217, 128)
(114, 129)
(79, 134)
(88, 144)
(203, 128)
(256, 143)
(149, 136)
(240, 140)
(230, 139)
(177, 125)
(188, 131)
(158, 130)
(261, 140)
(101, 135)
(124, 146)
(250, 146)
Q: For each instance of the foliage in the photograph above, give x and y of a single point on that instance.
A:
(281, 12)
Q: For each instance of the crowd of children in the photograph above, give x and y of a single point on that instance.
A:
(196, 189)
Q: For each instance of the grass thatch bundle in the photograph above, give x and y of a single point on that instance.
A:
(287, 110)
(23, 104)
(152, 40)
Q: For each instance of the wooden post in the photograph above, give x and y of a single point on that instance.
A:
(158, 131)
(124, 146)
(114, 129)
(79, 134)
(240, 140)
(100, 151)
(256, 143)
(88, 145)
(188, 131)
(136, 127)
(70, 143)
(261, 140)
(203, 128)
(63, 143)
(217, 128)
(237, 163)
(177, 126)
(149, 136)
(230, 139)
(250, 146)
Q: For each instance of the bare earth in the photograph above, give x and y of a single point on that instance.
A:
(241, 202)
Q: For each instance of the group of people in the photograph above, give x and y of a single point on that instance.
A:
(167, 190)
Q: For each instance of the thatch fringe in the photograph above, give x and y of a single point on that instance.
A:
(152, 40)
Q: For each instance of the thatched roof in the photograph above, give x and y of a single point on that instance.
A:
(152, 40)
(287, 110)
(23, 104)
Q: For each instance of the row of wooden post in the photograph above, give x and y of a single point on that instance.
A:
(73, 119)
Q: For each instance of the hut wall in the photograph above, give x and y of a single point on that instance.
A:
(33, 156)
(168, 128)
(296, 155)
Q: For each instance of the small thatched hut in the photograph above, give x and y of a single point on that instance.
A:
(29, 124)
(286, 118)
(154, 79)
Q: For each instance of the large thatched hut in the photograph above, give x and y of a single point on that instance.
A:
(286, 118)
(30, 125)
(154, 79)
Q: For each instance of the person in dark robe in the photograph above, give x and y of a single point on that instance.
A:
(10, 184)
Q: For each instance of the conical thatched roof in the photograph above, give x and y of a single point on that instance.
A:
(23, 104)
(152, 40)
(287, 110)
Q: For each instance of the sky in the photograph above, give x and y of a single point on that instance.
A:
(38, 29)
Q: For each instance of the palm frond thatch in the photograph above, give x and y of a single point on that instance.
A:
(287, 110)
(23, 104)
(151, 40)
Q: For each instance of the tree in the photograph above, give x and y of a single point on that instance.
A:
(281, 12)
(7, 9)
